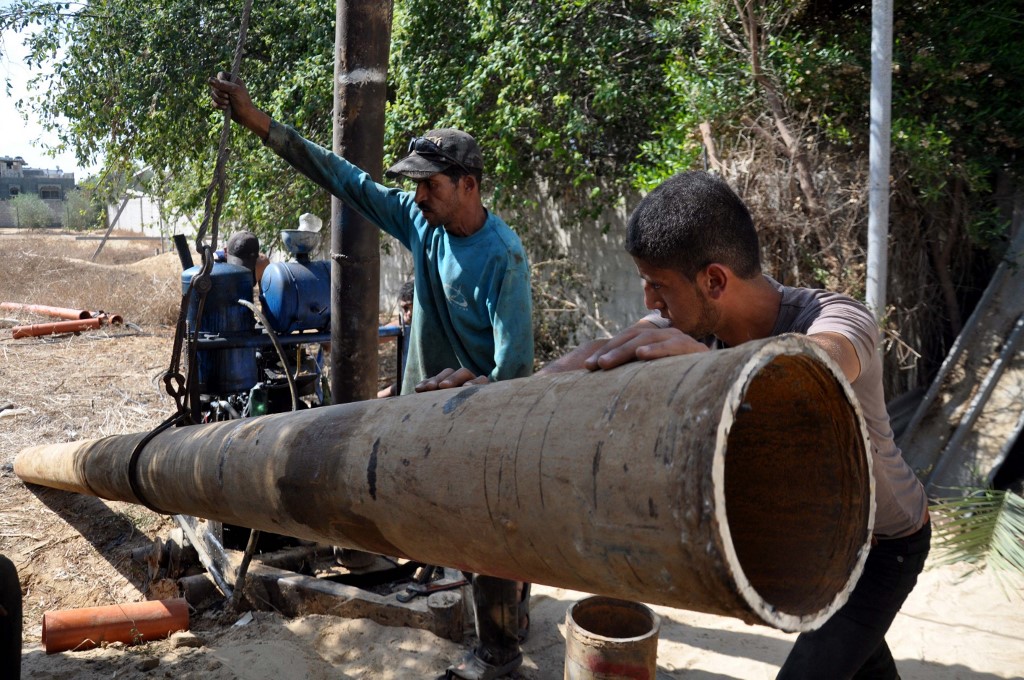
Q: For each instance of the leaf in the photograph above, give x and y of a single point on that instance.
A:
(984, 527)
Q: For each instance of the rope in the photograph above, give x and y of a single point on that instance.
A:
(213, 216)
(133, 468)
(184, 391)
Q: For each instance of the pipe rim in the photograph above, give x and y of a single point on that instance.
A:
(642, 610)
(785, 346)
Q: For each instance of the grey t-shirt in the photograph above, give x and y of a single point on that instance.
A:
(900, 501)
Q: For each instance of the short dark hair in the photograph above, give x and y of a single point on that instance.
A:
(691, 220)
(455, 173)
(406, 291)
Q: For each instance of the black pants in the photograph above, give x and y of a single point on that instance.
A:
(10, 620)
(851, 644)
(496, 601)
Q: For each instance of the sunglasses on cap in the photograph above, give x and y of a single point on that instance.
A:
(431, 151)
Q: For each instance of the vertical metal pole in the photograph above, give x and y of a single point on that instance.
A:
(878, 183)
(362, 45)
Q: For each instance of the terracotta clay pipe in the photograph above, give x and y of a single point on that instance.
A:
(130, 623)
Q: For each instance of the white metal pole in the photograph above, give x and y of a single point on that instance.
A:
(878, 154)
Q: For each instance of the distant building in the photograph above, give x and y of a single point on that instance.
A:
(17, 178)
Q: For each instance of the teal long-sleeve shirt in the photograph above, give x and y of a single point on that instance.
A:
(472, 304)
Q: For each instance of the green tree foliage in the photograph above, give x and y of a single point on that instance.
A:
(984, 528)
(31, 212)
(562, 90)
(81, 211)
(128, 84)
(783, 89)
(589, 99)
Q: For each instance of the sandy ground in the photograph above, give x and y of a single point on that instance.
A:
(949, 629)
(75, 551)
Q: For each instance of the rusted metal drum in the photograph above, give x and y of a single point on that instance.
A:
(610, 639)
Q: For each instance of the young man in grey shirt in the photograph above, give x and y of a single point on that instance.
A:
(697, 253)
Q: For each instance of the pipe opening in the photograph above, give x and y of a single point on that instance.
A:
(607, 639)
(796, 446)
(612, 618)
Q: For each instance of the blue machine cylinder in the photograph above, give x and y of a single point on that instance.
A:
(224, 371)
(296, 296)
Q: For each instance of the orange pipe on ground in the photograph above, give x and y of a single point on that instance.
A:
(109, 318)
(45, 310)
(131, 623)
(54, 328)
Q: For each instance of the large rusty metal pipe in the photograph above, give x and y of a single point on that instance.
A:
(736, 482)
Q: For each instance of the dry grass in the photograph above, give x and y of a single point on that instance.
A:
(45, 270)
(73, 551)
(96, 383)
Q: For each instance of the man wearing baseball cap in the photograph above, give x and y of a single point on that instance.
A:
(471, 306)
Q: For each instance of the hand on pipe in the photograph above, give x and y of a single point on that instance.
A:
(642, 344)
(449, 378)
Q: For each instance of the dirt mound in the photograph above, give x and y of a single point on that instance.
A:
(36, 271)
(165, 266)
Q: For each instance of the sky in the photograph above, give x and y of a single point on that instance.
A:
(17, 137)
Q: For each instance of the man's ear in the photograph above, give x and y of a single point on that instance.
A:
(715, 279)
(471, 183)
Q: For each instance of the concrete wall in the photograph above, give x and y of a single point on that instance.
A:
(613, 297)
(596, 249)
(141, 214)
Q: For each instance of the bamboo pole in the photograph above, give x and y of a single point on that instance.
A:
(736, 482)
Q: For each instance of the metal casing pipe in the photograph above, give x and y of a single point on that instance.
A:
(362, 44)
(610, 639)
(736, 482)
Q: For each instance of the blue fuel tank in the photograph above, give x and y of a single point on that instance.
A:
(296, 296)
(224, 371)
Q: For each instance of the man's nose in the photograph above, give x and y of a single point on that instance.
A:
(651, 299)
(421, 192)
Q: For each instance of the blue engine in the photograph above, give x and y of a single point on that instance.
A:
(240, 373)
(296, 296)
(224, 371)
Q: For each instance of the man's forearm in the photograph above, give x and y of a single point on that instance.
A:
(255, 120)
(573, 360)
(227, 92)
